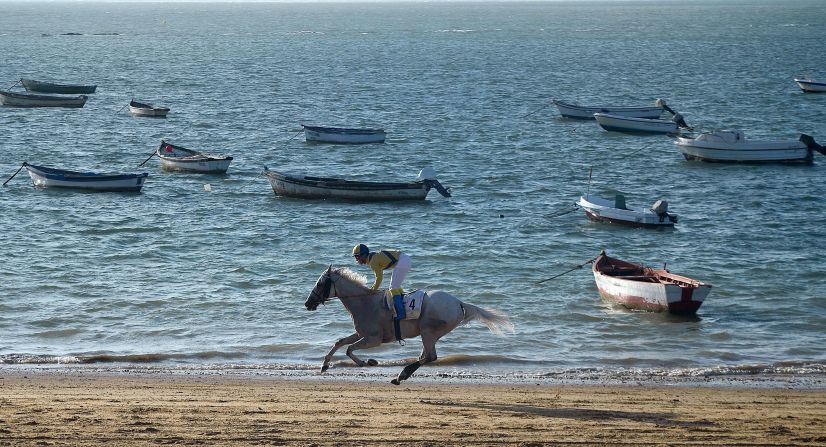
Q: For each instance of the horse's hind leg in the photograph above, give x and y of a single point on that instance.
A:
(428, 355)
(344, 341)
(364, 343)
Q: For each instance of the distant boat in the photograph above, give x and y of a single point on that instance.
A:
(43, 177)
(615, 211)
(619, 123)
(310, 187)
(148, 110)
(343, 135)
(10, 99)
(177, 158)
(637, 287)
(811, 86)
(731, 146)
(49, 87)
(569, 110)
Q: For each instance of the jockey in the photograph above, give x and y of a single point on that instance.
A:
(385, 260)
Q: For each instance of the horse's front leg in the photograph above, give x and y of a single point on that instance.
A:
(364, 343)
(344, 341)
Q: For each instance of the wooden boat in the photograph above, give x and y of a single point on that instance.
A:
(569, 110)
(10, 99)
(628, 124)
(49, 87)
(177, 158)
(309, 187)
(145, 109)
(643, 288)
(811, 86)
(43, 177)
(731, 146)
(615, 211)
(343, 135)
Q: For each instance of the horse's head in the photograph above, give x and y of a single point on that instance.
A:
(321, 293)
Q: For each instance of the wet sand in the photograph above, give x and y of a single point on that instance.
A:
(41, 409)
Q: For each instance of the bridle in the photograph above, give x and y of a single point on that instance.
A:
(325, 296)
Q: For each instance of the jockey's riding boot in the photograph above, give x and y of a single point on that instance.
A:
(398, 304)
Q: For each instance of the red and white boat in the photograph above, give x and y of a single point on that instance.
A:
(637, 287)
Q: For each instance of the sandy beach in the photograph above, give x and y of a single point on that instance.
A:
(146, 409)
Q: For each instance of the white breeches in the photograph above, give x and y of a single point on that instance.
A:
(400, 271)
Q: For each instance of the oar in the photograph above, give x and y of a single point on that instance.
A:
(147, 159)
(569, 271)
(12, 86)
(18, 170)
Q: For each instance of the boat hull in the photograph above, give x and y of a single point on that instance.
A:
(601, 210)
(9, 99)
(307, 187)
(618, 123)
(575, 111)
(809, 86)
(177, 158)
(43, 177)
(147, 110)
(63, 89)
(732, 147)
(646, 289)
(342, 135)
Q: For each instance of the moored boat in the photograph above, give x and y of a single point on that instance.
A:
(45, 177)
(49, 87)
(637, 287)
(570, 110)
(343, 135)
(615, 211)
(137, 108)
(177, 158)
(10, 99)
(629, 124)
(731, 146)
(811, 86)
(310, 187)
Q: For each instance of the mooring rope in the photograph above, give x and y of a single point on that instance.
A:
(569, 271)
(564, 211)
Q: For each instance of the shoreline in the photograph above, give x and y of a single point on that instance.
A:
(74, 408)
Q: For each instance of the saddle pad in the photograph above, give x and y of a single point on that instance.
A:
(412, 304)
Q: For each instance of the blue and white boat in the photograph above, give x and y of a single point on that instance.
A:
(343, 135)
(811, 86)
(569, 110)
(44, 177)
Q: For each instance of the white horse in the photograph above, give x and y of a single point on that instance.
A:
(441, 312)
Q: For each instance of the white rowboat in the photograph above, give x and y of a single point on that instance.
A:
(615, 211)
(618, 123)
(43, 177)
(731, 146)
(569, 110)
(148, 110)
(643, 288)
(343, 135)
(177, 158)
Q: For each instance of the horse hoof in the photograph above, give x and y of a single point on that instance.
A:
(372, 362)
(395, 382)
(324, 368)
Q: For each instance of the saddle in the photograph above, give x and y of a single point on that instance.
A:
(412, 304)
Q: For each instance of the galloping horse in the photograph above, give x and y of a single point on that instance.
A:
(441, 312)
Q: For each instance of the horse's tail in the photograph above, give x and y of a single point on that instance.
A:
(497, 321)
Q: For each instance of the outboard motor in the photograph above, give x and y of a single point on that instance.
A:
(678, 118)
(428, 176)
(811, 144)
(660, 208)
(661, 104)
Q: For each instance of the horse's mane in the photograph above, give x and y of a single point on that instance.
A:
(356, 278)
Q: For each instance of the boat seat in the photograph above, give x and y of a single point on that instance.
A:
(619, 202)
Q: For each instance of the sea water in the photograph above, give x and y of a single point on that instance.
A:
(205, 272)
